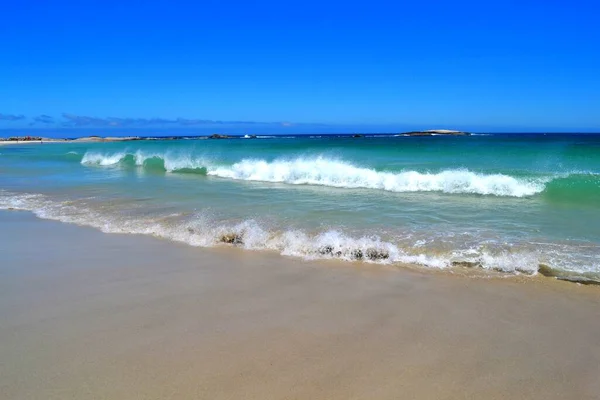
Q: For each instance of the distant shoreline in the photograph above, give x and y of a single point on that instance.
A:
(88, 139)
(100, 139)
(22, 139)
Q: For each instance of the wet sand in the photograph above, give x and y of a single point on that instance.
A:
(87, 315)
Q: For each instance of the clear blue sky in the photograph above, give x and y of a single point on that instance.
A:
(473, 65)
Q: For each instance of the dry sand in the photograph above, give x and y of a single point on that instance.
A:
(15, 142)
(89, 139)
(86, 315)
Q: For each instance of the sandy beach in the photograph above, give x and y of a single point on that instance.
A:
(88, 315)
(280, 201)
(17, 142)
(87, 139)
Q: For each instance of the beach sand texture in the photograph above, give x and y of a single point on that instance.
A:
(87, 315)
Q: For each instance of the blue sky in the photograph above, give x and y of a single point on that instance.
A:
(301, 65)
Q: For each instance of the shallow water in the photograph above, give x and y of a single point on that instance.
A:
(507, 203)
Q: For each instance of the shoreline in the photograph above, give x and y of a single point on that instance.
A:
(229, 243)
(91, 139)
(95, 315)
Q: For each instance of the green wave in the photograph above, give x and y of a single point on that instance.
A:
(579, 188)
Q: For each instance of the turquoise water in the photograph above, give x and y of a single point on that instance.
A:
(506, 203)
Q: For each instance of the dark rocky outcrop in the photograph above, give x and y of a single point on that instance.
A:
(372, 254)
(232, 238)
(377, 254)
(328, 250)
(357, 254)
(25, 138)
(217, 136)
(466, 263)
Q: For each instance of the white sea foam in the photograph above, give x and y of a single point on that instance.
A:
(102, 159)
(172, 161)
(335, 173)
(330, 172)
(251, 235)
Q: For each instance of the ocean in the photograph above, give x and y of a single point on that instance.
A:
(508, 204)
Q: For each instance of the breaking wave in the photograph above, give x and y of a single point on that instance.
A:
(152, 161)
(201, 230)
(330, 172)
(334, 173)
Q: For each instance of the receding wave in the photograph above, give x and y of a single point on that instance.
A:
(203, 231)
(330, 172)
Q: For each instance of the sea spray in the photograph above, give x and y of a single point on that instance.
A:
(340, 174)
(324, 171)
(102, 159)
(169, 162)
(203, 231)
(501, 202)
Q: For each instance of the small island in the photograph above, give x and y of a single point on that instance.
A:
(433, 132)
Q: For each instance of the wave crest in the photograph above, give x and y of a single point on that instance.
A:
(169, 162)
(103, 159)
(334, 173)
(324, 171)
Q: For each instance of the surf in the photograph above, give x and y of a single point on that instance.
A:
(204, 231)
(324, 171)
(165, 162)
(340, 174)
